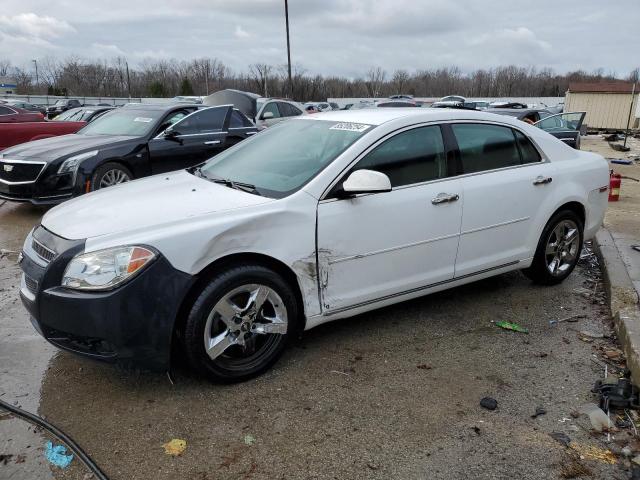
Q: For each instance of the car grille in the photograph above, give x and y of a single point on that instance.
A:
(32, 285)
(43, 252)
(19, 172)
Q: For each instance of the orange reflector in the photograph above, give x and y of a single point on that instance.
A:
(87, 186)
(139, 257)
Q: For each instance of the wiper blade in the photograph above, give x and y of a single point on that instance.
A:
(246, 187)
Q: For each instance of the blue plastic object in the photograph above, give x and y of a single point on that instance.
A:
(58, 455)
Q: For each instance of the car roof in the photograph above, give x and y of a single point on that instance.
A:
(159, 106)
(378, 116)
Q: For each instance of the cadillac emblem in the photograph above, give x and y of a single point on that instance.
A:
(8, 168)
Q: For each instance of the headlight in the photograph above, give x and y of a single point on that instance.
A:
(105, 269)
(70, 165)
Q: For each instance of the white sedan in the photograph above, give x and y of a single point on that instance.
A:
(316, 219)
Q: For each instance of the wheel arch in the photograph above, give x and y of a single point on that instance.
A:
(574, 206)
(207, 273)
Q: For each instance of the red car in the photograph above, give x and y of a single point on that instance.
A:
(20, 132)
(10, 114)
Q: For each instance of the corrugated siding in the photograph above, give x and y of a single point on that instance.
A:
(604, 110)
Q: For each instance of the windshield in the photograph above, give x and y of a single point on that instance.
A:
(61, 102)
(132, 122)
(281, 159)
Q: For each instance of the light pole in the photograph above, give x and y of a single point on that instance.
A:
(35, 62)
(286, 17)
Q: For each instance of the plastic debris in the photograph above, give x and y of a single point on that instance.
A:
(572, 319)
(620, 161)
(595, 453)
(561, 437)
(489, 403)
(175, 447)
(57, 455)
(599, 420)
(249, 439)
(512, 326)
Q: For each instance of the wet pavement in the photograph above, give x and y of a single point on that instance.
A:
(390, 394)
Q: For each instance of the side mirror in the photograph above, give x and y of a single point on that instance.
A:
(366, 181)
(267, 115)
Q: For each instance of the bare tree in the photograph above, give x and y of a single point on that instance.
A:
(260, 72)
(374, 81)
(5, 67)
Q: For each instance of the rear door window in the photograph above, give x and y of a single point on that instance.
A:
(288, 110)
(412, 156)
(6, 111)
(273, 108)
(485, 147)
(238, 120)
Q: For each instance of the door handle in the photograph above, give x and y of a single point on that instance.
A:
(212, 142)
(445, 198)
(542, 180)
(251, 133)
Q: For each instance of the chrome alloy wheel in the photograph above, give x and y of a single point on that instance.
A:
(562, 248)
(245, 323)
(113, 177)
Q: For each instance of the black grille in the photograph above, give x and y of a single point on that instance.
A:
(19, 172)
(32, 285)
(42, 251)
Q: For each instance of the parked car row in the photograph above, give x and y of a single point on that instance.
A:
(130, 142)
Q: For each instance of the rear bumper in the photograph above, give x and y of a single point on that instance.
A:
(131, 325)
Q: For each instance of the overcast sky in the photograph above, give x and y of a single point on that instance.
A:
(331, 37)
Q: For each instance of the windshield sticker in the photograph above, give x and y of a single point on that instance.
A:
(350, 127)
(142, 119)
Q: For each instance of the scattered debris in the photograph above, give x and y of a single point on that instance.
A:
(636, 460)
(339, 372)
(599, 420)
(571, 319)
(595, 453)
(175, 447)
(512, 326)
(561, 437)
(585, 292)
(489, 403)
(4, 458)
(57, 455)
(620, 161)
(617, 393)
(613, 354)
(539, 411)
(476, 430)
(618, 147)
(249, 439)
(626, 452)
(424, 366)
(636, 248)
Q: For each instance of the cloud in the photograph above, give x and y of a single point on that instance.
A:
(32, 25)
(240, 32)
(102, 49)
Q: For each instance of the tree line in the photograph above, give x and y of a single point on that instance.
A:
(75, 76)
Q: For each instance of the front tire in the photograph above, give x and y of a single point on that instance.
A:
(110, 174)
(240, 324)
(558, 250)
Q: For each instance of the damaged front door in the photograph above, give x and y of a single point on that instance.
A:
(388, 244)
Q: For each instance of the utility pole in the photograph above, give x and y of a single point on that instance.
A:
(128, 81)
(36, 64)
(206, 75)
(286, 16)
(626, 135)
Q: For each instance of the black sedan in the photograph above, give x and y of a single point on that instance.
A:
(564, 126)
(134, 141)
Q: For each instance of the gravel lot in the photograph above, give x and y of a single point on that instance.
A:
(390, 394)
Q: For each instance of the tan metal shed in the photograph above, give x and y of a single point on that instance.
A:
(606, 103)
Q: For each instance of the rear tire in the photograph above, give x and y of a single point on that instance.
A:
(240, 324)
(110, 174)
(558, 249)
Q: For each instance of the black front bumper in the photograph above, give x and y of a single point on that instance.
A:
(131, 325)
(47, 189)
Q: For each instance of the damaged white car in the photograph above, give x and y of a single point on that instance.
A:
(315, 219)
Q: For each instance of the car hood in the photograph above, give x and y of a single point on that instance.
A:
(142, 204)
(63, 145)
